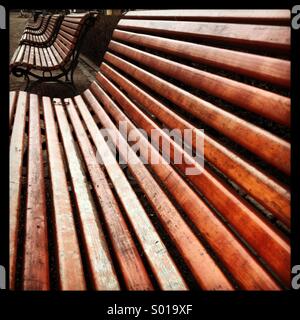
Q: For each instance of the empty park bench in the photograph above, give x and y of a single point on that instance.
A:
(58, 58)
(45, 34)
(152, 226)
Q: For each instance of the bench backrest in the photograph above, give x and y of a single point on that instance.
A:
(226, 72)
(227, 69)
(71, 30)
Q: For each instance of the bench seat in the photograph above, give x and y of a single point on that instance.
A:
(152, 226)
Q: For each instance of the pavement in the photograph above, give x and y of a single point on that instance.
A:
(83, 75)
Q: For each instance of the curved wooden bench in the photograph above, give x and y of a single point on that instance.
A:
(152, 226)
(45, 34)
(35, 25)
(59, 55)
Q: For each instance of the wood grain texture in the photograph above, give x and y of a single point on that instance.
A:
(70, 269)
(36, 260)
(16, 153)
(133, 270)
(178, 189)
(100, 264)
(273, 38)
(276, 151)
(275, 71)
(161, 262)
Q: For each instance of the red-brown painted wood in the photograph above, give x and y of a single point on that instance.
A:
(133, 270)
(70, 269)
(273, 70)
(163, 266)
(100, 264)
(276, 151)
(237, 212)
(263, 188)
(203, 267)
(242, 16)
(16, 152)
(273, 38)
(36, 260)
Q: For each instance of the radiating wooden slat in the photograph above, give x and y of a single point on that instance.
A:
(42, 58)
(56, 54)
(52, 57)
(275, 38)
(159, 259)
(133, 270)
(276, 151)
(36, 260)
(241, 16)
(31, 57)
(67, 36)
(26, 54)
(275, 71)
(37, 57)
(262, 102)
(16, 151)
(263, 232)
(59, 50)
(265, 190)
(20, 54)
(70, 269)
(101, 268)
(193, 252)
(47, 57)
(69, 30)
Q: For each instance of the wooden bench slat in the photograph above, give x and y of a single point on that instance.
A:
(276, 71)
(31, 57)
(245, 282)
(42, 58)
(36, 262)
(26, 55)
(100, 264)
(68, 44)
(20, 54)
(162, 264)
(60, 51)
(70, 25)
(203, 267)
(275, 38)
(16, 152)
(67, 37)
(257, 232)
(276, 151)
(37, 57)
(71, 274)
(133, 270)
(47, 57)
(267, 104)
(64, 47)
(56, 54)
(70, 31)
(52, 57)
(246, 16)
(267, 191)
